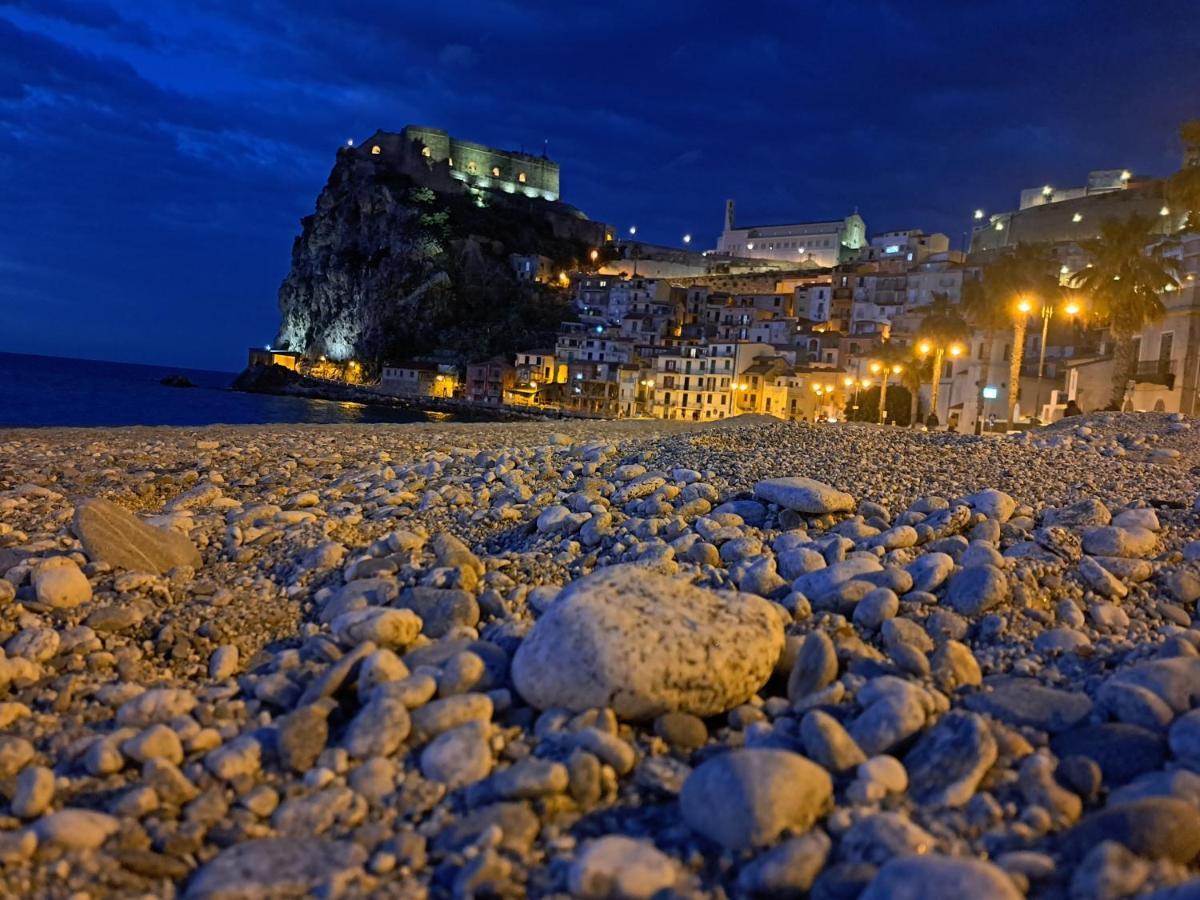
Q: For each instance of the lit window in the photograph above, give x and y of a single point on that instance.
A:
(471, 167)
(495, 171)
(521, 177)
(426, 152)
(375, 150)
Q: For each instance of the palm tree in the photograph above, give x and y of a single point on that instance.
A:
(1020, 276)
(942, 326)
(888, 359)
(1129, 269)
(1183, 188)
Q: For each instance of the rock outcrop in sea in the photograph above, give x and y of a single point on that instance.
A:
(399, 258)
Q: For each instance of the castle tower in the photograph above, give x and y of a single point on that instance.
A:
(729, 215)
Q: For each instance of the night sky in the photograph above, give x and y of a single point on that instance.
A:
(156, 157)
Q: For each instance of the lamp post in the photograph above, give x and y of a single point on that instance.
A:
(1047, 312)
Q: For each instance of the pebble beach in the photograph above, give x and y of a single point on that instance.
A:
(601, 659)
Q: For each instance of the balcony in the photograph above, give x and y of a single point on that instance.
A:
(1156, 371)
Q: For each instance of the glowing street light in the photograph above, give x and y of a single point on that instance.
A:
(687, 238)
(595, 255)
(978, 214)
(632, 230)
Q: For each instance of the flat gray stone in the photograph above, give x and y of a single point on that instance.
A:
(114, 535)
(936, 877)
(1022, 701)
(277, 867)
(804, 495)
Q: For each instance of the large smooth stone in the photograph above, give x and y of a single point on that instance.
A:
(1122, 751)
(940, 878)
(804, 495)
(1156, 827)
(114, 535)
(949, 760)
(277, 867)
(747, 798)
(645, 644)
(1022, 701)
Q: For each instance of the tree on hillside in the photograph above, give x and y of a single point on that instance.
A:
(1128, 271)
(1183, 188)
(1023, 275)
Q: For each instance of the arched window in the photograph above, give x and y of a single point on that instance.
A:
(495, 171)
(375, 150)
(426, 152)
(521, 177)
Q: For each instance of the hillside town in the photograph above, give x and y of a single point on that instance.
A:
(820, 321)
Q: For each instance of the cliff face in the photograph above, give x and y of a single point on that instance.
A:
(388, 266)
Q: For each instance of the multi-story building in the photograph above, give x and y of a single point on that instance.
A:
(812, 244)
(1050, 215)
(488, 380)
(419, 380)
(693, 384)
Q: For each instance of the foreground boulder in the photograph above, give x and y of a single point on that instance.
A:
(747, 798)
(645, 644)
(113, 535)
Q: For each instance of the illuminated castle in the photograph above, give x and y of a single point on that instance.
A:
(479, 166)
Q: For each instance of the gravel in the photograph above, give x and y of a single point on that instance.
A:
(624, 659)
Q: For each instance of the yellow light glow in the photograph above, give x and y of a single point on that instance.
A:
(829, 388)
(1126, 175)
(896, 370)
(999, 226)
(1024, 306)
(956, 350)
(875, 368)
(1165, 211)
(924, 347)
(979, 214)
(1072, 309)
(1078, 217)
(847, 381)
(375, 151)
(595, 254)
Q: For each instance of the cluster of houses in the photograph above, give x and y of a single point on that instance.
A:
(790, 321)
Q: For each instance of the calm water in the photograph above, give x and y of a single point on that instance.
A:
(46, 390)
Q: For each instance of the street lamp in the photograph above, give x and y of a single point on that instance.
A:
(1047, 312)
(595, 255)
(687, 238)
(632, 230)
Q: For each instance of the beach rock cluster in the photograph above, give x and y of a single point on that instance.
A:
(601, 659)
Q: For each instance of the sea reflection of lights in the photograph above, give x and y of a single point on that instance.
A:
(434, 415)
(351, 404)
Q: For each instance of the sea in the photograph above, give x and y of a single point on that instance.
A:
(49, 391)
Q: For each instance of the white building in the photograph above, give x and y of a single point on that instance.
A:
(818, 244)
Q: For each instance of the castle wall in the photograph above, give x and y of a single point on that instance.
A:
(486, 167)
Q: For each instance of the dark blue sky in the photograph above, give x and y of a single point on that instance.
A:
(156, 157)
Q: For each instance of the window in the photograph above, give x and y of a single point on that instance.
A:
(471, 167)
(1165, 345)
(426, 152)
(495, 171)
(375, 150)
(521, 177)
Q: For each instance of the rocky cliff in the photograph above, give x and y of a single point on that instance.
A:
(400, 259)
